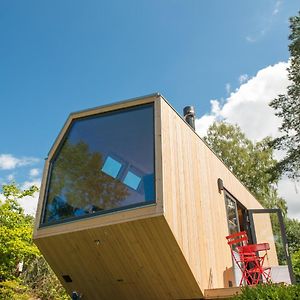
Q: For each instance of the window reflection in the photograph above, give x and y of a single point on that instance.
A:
(106, 162)
(232, 217)
(111, 167)
(132, 180)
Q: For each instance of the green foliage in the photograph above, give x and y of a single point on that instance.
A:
(12, 192)
(14, 290)
(270, 292)
(15, 232)
(252, 163)
(293, 234)
(287, 107)
(296, 265)
(37, 281)
(42, 280)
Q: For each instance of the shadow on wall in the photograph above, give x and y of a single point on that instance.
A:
(228, 278)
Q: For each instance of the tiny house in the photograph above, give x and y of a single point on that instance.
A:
(134, 205)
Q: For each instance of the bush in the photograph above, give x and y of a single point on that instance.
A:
(270, 291)
(42, 281)
(296, 265)
(14, 290)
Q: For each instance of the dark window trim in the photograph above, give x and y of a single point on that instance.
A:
(98, 213)
(282, 230)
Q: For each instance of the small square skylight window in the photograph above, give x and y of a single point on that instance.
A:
(111, 167)
(132, 180)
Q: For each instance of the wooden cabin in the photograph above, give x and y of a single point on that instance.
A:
(134, 205)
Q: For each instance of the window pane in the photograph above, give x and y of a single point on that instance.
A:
(111, 167)
(232, 216)
(105, 163)
(132, 180)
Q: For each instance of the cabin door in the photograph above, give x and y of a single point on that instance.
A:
(237, 221)
(266, 226)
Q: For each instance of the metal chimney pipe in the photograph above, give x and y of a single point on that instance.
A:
(189, 116)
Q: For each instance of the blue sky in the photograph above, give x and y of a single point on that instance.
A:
(62, 56)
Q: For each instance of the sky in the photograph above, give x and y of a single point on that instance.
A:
(226, 58)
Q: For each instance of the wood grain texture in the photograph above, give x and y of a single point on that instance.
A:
(225, 293)
(264, 234)
(193, 206)
(133, 260)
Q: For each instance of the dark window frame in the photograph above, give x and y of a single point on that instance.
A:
(108, 211)
(278, 212)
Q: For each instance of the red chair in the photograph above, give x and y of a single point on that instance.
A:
(237, 239)
(255, 268)
(245, 258)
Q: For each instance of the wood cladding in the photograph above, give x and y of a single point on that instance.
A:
(264, 235)
(173, 249)
(133, 260)
(193, 206)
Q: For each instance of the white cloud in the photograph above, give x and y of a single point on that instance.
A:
(30, 203)
(243, 78)
(290, 191)
(203, 124)
(249, 108)
(9, 162)
(248, 105)
(34, 172)
(215, 107)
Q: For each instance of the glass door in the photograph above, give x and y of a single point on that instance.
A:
(234, 222)
(266, 226)
(232, 214)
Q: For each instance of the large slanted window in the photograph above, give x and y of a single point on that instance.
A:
(105, 163)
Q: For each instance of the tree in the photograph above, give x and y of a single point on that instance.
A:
(296, 265)
(252, 163)
(39, 277)
(37, 280)
(254, 166)
(293, 236)
(16, 244)
(287, 107)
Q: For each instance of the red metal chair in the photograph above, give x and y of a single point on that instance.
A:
(246, 258)
(255, 268)
(240, 239)
(237, 239)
